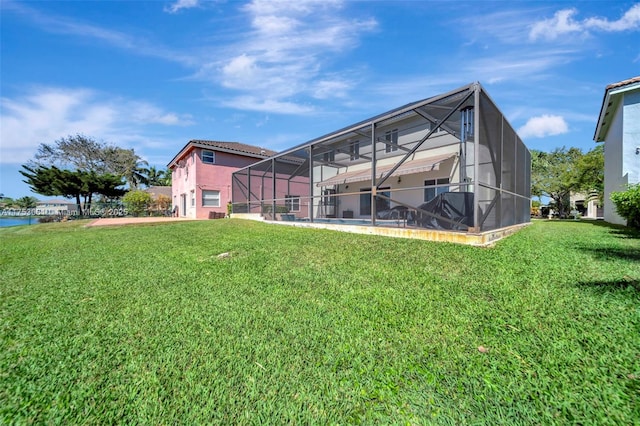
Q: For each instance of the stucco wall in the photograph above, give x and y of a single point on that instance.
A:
(196, 176)
(622, 164)
(631, 137)
(613, 180)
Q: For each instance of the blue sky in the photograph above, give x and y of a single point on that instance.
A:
(151, 75)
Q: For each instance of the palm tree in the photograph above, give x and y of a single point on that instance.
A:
(155, 177)
(166, 181)
(130, 166)
(26, 202)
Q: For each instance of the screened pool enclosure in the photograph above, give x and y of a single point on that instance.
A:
(450, 162)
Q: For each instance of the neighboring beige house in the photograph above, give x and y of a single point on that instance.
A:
(55, 207)
(619, 128)
(587, 206)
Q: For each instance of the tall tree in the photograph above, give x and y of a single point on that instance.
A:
(155, 177)
(52, 181)
(6, 202)
(555, 174)
(83, 153)
(26, 202)
(77, 152)
(166, 180)
(590, 172)
(128, 164)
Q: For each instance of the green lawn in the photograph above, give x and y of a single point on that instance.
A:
(145, 324)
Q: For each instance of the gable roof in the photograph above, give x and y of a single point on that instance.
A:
(230, 147)
(610, 103)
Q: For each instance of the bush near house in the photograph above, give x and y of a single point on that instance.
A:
(162, 203)
(627, 205)
(137, 202)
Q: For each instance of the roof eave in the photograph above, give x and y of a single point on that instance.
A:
(611, 91)
(597, 136)
(194, 144)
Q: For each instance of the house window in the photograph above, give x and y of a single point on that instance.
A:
(193, 198)
(381, 203)
(208, 157)
(354, 150)
(292, 202)
(210, 198)
(431, 193)
(467, 123)
(391, 137)
(365, 202)
(329, 156)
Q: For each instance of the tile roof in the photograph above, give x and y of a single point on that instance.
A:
(610, 103)
(623, 83)
(240, 148)
(236, 146)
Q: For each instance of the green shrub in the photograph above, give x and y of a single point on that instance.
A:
(137, 201)
(47, 219)
(628, 205)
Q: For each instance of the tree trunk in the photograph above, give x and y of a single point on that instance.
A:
(78, 204)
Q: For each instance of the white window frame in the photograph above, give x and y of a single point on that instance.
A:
(391, 137)
(292, 202)
(435, 191)
(354, 150)
(208, 154)
(210, 196)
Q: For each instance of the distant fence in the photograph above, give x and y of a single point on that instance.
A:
(95, 210)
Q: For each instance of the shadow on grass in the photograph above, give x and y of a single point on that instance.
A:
(626, 285)
(608, 249)
(612, 253)
(619, 230)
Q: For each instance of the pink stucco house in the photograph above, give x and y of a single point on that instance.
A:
(201, 175)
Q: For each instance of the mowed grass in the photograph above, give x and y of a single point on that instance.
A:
(146, 325)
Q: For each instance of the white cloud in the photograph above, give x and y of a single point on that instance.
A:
(629, 21)
(512, 65)
(334, 88)
(181, 4)
(62, 25)
(544, 125)
(288, 47)
(505, 26)
(46, 114)
(287, 54)
(254, 103)
(563, 23)
(143, 113)
(239, 72)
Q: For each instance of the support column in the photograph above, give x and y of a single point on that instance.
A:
(273, 185)
(476, 157)
(311, 183)
(374, 188)
(248, 189)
